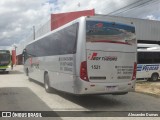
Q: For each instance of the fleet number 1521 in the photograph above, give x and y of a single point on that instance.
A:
(96, 67)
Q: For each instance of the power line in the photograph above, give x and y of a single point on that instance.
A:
(149, 9)
(132, 6)
(138, 6)
(124, 7)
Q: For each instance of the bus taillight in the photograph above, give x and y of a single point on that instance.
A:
(83, 71)
(134, 71)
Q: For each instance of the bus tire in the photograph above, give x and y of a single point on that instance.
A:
(47, 83)
(123, 93)
(154, 77)
(27, 72)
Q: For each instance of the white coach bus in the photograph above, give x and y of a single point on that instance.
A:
(148, 66)
(89, 55)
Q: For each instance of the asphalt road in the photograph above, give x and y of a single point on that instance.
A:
(18, 93)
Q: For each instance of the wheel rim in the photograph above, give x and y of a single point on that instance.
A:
(46, 86)
(154, 77)
(46, 82)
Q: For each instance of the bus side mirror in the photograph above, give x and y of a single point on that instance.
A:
(24, 50)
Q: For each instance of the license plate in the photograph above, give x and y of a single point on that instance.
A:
(111, 88)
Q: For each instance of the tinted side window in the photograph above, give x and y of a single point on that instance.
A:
(30, 50)
(148, 57)
(58, 43)
(156, 57)
(145, 58)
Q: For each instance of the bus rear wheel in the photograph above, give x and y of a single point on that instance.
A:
(154, 77)
(27, 72)
(47, 84)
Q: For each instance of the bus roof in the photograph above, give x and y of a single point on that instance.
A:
(147, 45)
(151, 49)
(4, 51)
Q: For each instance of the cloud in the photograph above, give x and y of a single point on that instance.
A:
(150, 17)
(149, 10)
(100, 6)
(19, 16)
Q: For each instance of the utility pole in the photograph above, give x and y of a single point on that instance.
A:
(34, 33)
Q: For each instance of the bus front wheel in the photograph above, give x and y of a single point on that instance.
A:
(46, 83)
(154, 77)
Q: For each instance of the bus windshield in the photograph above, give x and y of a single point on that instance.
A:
(108, 31)
(4, 59)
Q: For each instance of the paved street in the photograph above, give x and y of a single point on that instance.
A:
(18, 93)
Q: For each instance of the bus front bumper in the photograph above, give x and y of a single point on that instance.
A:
(8, 68)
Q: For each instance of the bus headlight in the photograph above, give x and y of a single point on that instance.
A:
(8, 66)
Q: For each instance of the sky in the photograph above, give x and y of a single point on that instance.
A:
(17, 17)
